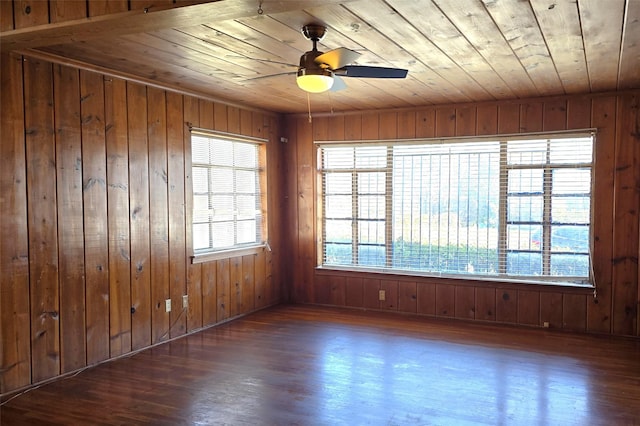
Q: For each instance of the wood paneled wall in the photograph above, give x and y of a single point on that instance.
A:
(95, 231)
(19, 14)
(616, 222)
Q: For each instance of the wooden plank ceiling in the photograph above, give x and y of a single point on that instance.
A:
(455, 50)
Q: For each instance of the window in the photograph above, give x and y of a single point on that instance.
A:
(228, 192)
(505, 209)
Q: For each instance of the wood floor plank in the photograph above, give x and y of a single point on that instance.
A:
(314, 365)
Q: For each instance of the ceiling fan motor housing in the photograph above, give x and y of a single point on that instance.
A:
(308, 65)
(314, 32)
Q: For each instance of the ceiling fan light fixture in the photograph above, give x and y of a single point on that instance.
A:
(315, 81)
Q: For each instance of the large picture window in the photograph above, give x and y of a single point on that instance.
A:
(228, 192)
(509, 208)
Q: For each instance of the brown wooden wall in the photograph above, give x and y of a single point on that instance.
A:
(616, 217)
(95, 228)
(19, 14)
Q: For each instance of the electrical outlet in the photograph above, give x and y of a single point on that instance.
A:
(167, 305)
(545, 324)
(382, 295)
(185, 301)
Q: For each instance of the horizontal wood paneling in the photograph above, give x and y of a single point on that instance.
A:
(615, 223)
(95, 230)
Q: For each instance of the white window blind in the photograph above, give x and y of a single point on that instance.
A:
(227, 195)
(509, 208)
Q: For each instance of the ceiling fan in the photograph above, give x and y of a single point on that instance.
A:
(319, 72)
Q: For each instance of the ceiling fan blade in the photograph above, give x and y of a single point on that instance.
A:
(363, 71)
(338, 84)
(337, 58)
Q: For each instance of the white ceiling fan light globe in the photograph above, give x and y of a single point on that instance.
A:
(314, 83)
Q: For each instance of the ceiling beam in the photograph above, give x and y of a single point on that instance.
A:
(188, 13)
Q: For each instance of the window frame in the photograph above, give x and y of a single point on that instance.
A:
(503, 139)
(261, 170)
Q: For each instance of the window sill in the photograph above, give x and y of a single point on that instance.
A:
(226, 254)
(476, 280)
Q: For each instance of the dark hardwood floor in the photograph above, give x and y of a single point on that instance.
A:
(319, 366)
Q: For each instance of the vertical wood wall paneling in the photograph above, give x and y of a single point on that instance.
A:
(247, 303)
(603, 117)
(506, 305)
(117, 147)
(273, 276)
(6, 16)
(42, 220)
(551, 309)
(305, 175)
(574, 312)
(261, 292)
(371, 287)
(290, 231)
(90, 142)
(445, 300)
(485, 303)
(322, 291)
(65, 10)
(579, 113)
(259, 125)
(426, 123)
(233, 120)
(487, 120)
(209, 294)
(354, 292)
(246, 122)
(220, 114)
(390, 288)
(407, 297)
(235, 279)
(30, 13)
(353, 127)
(528, 307)
(445, 122)
(105, 7)
(178, 180)
(205, 113)
(73, 333)
(337, 290)
(138, 5)
(193, 287)
(15, 358)
(275, 170)
(555, 115)
(625, 223)
(223, 283)
(370, 126)
(159, 215)
(531, 116)
(465, 302)
(406, 124)
(139, 216)
(388, 126)
(508, 119)
(426, 294)
(465, 121)
(96, 247)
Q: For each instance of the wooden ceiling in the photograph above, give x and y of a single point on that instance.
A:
(455, 50)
